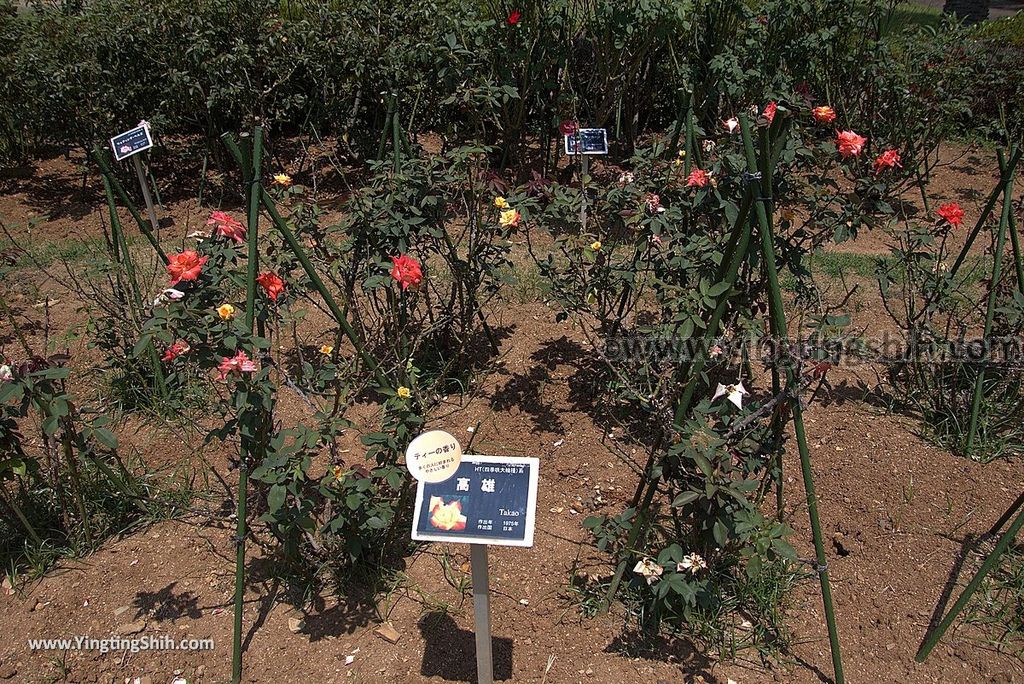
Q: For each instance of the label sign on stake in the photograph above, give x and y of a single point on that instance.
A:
(433, 456)
(587, 141)
(131, 142)
(489, 500)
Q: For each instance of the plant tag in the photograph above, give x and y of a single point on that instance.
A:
(587, 141)
(433, 456)
(489, 500)
(131, 142)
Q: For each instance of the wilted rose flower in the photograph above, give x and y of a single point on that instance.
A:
(693, 562)
(568, 127)
(406, 271)
(626, 177)
(849, 143)
(649, 570)
(653, 203)
(185, 266)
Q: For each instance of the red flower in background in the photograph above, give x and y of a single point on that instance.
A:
(185, 266)
(769, 111)
(824, 114)
(698, 178)
(568, 127)
(271, 284)
(406, 271)
(224, 224)
(849, 143)
(890, 159)
(514, 18)
(175, 350)
(951, 213)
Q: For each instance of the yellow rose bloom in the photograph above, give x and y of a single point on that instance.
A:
(282, 179)
(326, 350)
(509, 217)
(500, 203)
(596, 245)
(404, 392)
(226, 312)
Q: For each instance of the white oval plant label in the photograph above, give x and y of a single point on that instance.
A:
(433, 456)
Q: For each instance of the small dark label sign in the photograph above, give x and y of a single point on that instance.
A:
(131, 142)
(489, 500)
(587, 141)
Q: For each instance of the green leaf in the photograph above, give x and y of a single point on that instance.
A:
(276, 497)
(685, 498)
(105, 437)
(720, 532)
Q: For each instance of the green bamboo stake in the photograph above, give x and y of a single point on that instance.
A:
(1018, 262)
(251, 175)
(972, 587)
(129, 205)
(990, 312)
(767, 167)
(123, 255)
(777, 312)
(990, 204)
(318, 283)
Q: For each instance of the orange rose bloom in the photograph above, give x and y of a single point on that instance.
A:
(185, 266)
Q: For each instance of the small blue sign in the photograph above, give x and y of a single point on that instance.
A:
(131, 142)
(489, 500)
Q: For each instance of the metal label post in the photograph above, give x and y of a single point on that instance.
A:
(583, 191)
(141, 173)
(481, 613)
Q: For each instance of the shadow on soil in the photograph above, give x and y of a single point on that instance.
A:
(450, 652)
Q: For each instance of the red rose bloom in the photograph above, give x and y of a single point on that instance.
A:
(225, 225)
(271, 284)
(185, 266)
(890, 159)
(698, 178)
(568, 127)
(769, 111)
(175, 350)
(951, 213)
(849, 143)
(514, 18)
(406, 271)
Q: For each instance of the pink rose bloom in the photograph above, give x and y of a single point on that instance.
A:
(698, 178)
(239, 363)
(223, 224)
(849, 143)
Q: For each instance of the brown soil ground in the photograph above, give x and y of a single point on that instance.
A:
(899, 515)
